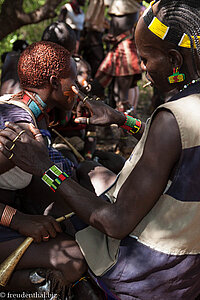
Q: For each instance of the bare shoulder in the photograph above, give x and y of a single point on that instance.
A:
(164, 129)
(165, 118)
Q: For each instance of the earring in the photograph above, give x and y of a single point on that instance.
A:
(176, 77)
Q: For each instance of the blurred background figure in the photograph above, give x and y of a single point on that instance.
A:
(72, 14)
(120, 69)
(9, 77)
(91, 44)
(62, 34)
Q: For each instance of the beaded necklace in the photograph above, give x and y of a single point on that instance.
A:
(35, 104)
(187, 85)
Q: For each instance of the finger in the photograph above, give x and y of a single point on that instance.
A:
(54, 224)
(51, 230)
(57, 226)
(81, 120)
(46, 238)
(9, 134)
(37, 238)
(36, 133)
(16, 128)
(5, 145)
(44, 235)
(79, 109)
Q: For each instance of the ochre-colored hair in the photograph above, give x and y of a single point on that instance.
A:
(40, 61)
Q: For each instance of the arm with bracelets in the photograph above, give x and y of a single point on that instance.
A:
(103, 115)
(39, 227)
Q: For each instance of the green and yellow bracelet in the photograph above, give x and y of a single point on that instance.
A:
(53, 177)
(131, 124)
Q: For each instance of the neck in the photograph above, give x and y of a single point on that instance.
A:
(168, 95)
(173, 92)
(35, 104)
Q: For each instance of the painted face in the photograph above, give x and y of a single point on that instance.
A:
(154, 59)
(83, 75)
(66, 96)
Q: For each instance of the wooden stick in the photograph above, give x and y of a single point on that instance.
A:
(65, 217)
(76, 153)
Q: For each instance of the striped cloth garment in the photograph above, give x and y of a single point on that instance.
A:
(121, 60)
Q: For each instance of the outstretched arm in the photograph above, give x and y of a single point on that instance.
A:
(138, 194)
(101, 114)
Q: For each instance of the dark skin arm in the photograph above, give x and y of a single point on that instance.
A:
(34, 226)
(102, 114)
(138, 194)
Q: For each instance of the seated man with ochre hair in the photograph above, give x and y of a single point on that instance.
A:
(61, 33)
(46, 72)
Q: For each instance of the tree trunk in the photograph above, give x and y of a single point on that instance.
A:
(12, 15)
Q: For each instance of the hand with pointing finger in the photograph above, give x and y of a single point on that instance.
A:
(100, 114)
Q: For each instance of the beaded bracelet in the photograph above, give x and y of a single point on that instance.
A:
(7, 215)
(131, 124)
(53, 177)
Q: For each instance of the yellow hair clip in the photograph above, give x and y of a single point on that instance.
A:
(164, 32)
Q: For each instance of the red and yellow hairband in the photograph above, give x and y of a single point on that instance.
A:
(165, 32)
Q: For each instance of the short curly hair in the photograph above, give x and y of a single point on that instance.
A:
(39, 61)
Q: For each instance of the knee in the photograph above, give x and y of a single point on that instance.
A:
(83, 174)
(79, 268)
(75, 267)
(74, 271)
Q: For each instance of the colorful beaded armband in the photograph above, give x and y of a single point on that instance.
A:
(131, 124)
(53, 177)
(7, 215)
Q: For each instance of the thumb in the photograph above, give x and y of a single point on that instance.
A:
(36, 133)
(81, 120)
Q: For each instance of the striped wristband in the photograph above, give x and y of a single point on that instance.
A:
(7, 215)
(131, 124)
(53, 177)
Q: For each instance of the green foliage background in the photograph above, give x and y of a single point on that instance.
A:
(30, 33)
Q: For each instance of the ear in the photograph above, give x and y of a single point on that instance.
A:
(175, 58)
(54, 81)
